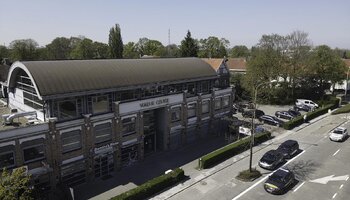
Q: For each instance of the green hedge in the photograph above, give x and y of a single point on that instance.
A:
(311, 115)
(231, 150)
(153, 186)
(344, 109)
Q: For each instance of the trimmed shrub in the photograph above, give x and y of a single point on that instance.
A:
(231, 150)
(153, 186)
(344, 109)
(311, 115)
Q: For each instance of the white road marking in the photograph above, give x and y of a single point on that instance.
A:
(326, 179)
(334, 195)
(261, 180)
(325, 136)
(299, 186)
(336, 152)
(347, 179)
(341, 186)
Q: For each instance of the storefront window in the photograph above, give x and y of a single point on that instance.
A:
(100, 104)
(205, 107)
(191, 110)
(225, 101)
(71, 141)
(7, 159)
(205, 87)
(103, 133)
(128, 126)
(176, 114)
(33, 153)
(73, 173)
(217, 103)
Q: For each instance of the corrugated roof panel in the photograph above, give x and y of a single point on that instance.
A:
(60, 77)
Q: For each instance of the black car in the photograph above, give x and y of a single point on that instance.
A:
(272, 120)
(250, 113)
(303, 108)
(294, 112)
(284, 115)
(289, 148)
(279, 181)
(271, 159)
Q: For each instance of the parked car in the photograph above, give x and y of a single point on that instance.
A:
(294, 112)
(272, 120)
(338, 134)
(307, 102)
(289, 148)
(303, 108)
(237, 108)
(279, 181)
(250, 113)
(271, 159)
(284, 115)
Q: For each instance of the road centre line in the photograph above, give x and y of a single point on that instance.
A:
(341, 186)
(334, 195)
(336, 152)
(261, 180)
(299, 186)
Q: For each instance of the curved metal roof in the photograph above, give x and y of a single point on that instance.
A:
(69, 76)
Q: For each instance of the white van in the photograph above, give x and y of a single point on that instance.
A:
(307, 102)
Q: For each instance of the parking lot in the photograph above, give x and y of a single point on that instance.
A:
(268, 110)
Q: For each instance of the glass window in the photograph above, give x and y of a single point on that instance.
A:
(7, 159)
(128, 126)
(33, 153)
(103, 132)
(71, 141)
(225, 101)
(67, 109)
(205, 107)
(205, 87)
(191, 110)
(175, 114)
(217, 103)
(100, 104)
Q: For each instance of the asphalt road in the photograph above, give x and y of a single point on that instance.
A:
(317, 159)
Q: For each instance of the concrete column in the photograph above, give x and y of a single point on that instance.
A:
(54, 153)
(88, 145)
(117, 136)
(167, 129)
(184, 119)
(140, 134)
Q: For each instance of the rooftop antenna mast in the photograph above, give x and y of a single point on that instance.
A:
(169, 42)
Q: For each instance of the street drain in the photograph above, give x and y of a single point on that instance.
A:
(203, 183)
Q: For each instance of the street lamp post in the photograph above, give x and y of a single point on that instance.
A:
(253, 126)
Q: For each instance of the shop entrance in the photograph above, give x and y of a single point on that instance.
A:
(104, 164)
(153, 129)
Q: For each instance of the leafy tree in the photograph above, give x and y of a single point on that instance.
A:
(326, 66)
(171, 51)
(84, 50)
(59, 49)
(213, 47)
(42, 53)
(188, 47)
(239, 51)
(4, 52)
(149, 47)
(130, 51)
(115, 42)
(101, 50)
(23, 49)
(15, 185)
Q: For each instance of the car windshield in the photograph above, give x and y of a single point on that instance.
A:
(269, 157)
(277, 177)
(338, 132)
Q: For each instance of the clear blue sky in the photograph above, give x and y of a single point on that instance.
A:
(241, 22)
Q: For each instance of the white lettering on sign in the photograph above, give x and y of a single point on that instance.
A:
(154, 102)
(98, 149)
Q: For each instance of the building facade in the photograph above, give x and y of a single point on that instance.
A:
(76, 121)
